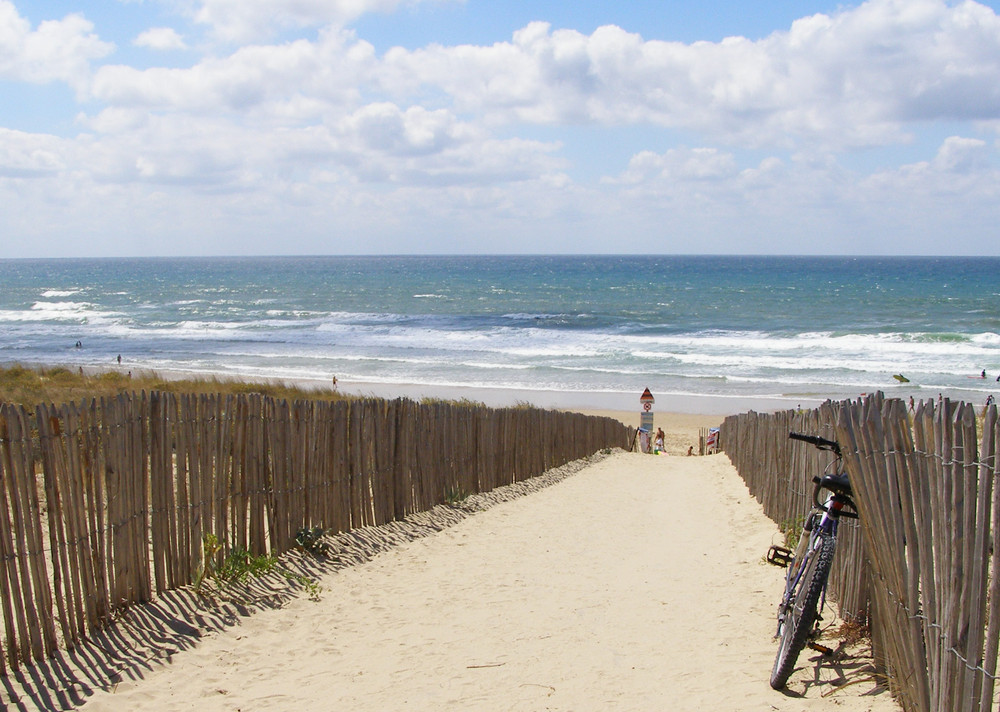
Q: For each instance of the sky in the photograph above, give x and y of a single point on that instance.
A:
(300, 127)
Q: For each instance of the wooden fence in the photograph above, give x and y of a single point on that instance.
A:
(920, 563)
(129, 488)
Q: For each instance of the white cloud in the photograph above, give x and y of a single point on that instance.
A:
(962, 155)
(857, 78)
(901, 210)
(700, 164)
(26, 155)
(378, 143)
(854, 78)
(385, 129)
(297, 80)
(57, 50)
(161, 38)
(961, 167)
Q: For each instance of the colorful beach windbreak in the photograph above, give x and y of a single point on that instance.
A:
(794, 327)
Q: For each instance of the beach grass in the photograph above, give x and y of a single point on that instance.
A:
(466, 402)
(28, 386)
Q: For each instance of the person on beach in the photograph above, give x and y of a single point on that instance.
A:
(645, 441)
(911, 404)
(658, 444)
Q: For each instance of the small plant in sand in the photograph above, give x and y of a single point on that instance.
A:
(209, 548)
(454, 495)
(240, 565)
(311, 540)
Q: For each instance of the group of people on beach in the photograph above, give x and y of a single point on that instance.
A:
(660, 447)
(989, 402)
(940, 398)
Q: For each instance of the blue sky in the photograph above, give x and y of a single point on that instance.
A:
(222, 127)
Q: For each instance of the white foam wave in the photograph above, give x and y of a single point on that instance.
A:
(509, 350)
(986, 339)
(730, 354)
(16, 315)
(80, 312)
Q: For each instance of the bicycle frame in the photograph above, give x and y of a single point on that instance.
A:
(821, 521)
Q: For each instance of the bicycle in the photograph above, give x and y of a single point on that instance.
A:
(799, 612)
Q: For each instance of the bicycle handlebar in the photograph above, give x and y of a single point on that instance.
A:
(821, 443)
(841, 489)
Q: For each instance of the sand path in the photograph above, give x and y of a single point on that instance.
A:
(635, 584)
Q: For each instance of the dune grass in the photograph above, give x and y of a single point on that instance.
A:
(27, 386)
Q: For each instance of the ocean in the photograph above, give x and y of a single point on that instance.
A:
(593, 330)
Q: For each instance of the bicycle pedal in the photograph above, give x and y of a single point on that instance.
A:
(779, 556)
(820, 648)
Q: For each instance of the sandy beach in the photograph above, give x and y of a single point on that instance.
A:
(634, 583)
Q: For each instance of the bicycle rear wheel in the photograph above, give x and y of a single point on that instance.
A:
(802, 610)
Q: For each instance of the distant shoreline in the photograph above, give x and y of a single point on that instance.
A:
(682, 403)
(714, 405)
(687, 404)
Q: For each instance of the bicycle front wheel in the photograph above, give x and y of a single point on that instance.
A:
(802, 611)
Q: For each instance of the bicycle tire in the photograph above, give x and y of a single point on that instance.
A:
(802, 612)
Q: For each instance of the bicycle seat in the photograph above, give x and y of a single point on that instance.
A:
(837, 483)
